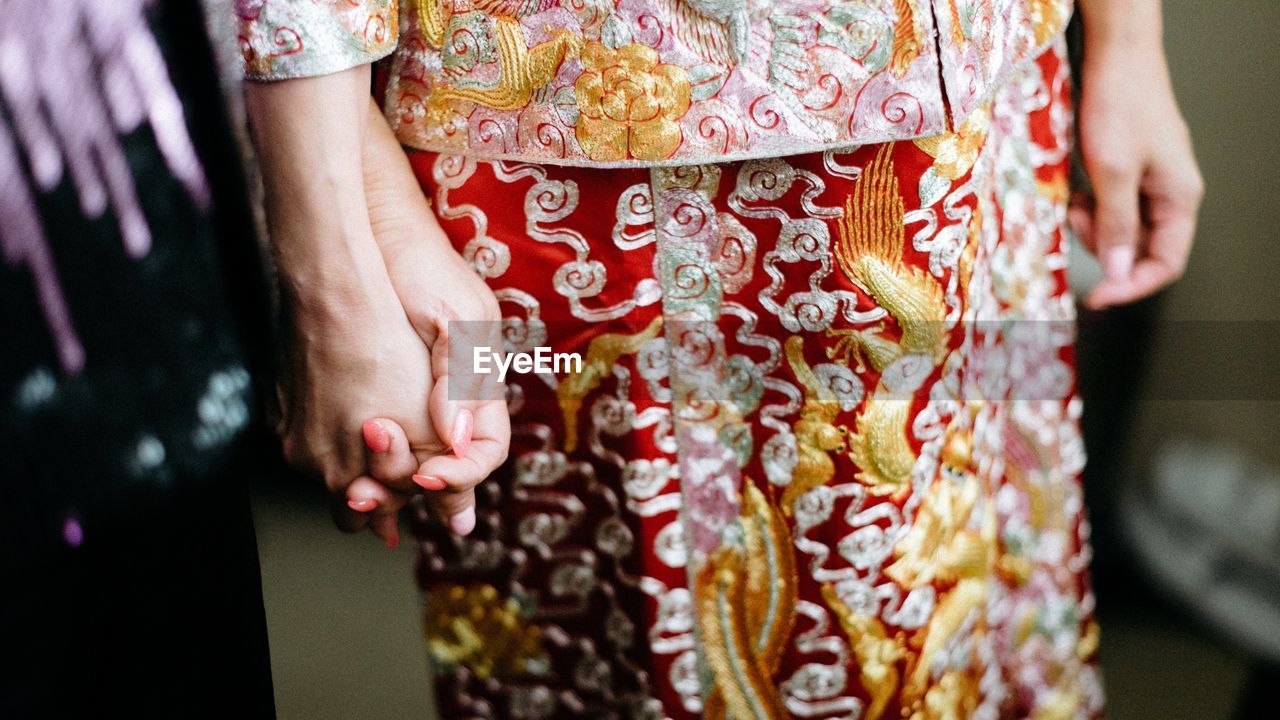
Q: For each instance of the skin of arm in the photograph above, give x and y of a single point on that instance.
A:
(1137, 152)
(435, 286)
(351, 353)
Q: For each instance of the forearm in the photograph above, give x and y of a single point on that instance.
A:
(1135, 24)
(398, 210)
(309, 134)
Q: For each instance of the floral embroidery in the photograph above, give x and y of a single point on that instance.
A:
(474, 627)
(791, 479)
(739, 79)
(629, 103)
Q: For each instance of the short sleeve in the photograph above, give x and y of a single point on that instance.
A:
(283, 39)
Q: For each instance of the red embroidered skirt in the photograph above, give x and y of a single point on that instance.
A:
(821, 458)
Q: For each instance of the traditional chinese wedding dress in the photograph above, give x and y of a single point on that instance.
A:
(822, 457)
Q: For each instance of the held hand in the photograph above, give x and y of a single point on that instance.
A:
(343, 367)
(1137, 152)
(436, 289)
(351, 352)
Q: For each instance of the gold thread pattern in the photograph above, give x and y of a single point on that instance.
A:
(907, 38)
(869, 251)
(746, 599)
(475, 627)
(603, 352)
(523, 69)
(815, 431)
(431, 21)
(629, 103)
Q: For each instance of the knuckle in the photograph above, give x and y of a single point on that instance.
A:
(1118, 224)
(1111, 166)
(292, 450)
(1194, 186)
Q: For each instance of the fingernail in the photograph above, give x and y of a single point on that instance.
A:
(376, 437)
(362, 505)
(461, 438)
(464, 522)
(1117, 262)
(393, 540)
(429, 482)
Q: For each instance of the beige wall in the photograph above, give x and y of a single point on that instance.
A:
(1225, 60)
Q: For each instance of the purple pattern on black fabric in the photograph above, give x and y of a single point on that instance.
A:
(76, 76)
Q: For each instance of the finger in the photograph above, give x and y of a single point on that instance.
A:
(1080, 221)
(380, 505)
(1166, 259)
(1116, 220)
(387, 527)
(455, 509)
(454, 418)
(344, 516)
(487, 451)
(367, 495)
(457, 391)
(389, 456)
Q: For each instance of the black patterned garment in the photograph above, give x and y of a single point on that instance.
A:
(128, 281)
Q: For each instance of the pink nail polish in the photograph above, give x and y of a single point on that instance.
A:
(393, 541)
(464, 522)
(362, 505)
(1117, 263)
(461, 437)
(376, 437)
(429, 482)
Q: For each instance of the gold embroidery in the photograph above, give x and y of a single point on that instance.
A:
(629, 103)
(954, 153)
(877, 654)
(431, 21)
(948, 617)
(953, 697)
(938, 546)
(473, 626)
(1087, 646)
(957, 31)
(906, 38)
(523, 69)
(746, 599)
(1061, 704)
(1057, 188)
(869, 252)
(1046, 19)
(815, 431)
(602, 353)
(970, 253)
(771, 577)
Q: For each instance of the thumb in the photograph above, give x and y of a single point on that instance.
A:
(1116, 223)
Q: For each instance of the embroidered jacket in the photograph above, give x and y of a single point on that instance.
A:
(657, 82)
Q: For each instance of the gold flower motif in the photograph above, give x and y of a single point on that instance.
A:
(629, 103)
(473, 626)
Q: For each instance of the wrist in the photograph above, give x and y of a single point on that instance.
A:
(1134, 25)
(330, 275)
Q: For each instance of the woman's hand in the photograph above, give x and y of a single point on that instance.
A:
(351, 353)
(1137, 152)
(437, 288)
